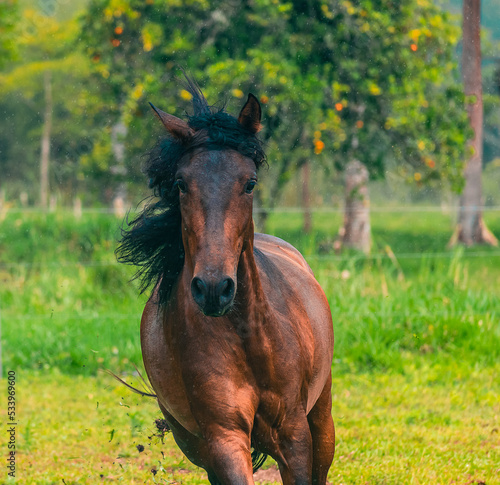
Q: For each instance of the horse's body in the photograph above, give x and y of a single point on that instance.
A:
(240, 353)
(252, 376)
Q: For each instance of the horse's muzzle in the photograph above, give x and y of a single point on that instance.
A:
(214, 298)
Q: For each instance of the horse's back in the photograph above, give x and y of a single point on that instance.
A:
(284, 271)
(274, 246)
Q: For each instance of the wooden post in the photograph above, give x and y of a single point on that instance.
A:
(52, 203)
(306, 198)
(77, 208)
(45, 143)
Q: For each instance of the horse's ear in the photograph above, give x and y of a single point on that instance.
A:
(175, 126)
(250, 114)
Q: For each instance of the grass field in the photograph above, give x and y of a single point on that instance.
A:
(431, 424)
(417, 358)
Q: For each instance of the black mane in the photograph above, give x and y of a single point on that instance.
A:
(152, 240)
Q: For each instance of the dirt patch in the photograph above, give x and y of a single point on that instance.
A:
(269, 475)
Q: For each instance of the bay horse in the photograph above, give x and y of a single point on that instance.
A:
(237, 336)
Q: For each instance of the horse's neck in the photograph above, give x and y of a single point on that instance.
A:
(250, 298)
(253, 319)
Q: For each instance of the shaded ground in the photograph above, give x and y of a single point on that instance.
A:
(269, 475)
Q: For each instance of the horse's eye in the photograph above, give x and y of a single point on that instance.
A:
(250, 186)
(182, 185)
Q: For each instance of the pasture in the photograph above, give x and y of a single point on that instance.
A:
(416, 365)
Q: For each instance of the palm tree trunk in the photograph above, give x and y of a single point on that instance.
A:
(471, 228)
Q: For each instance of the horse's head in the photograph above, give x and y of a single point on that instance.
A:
(215, 178)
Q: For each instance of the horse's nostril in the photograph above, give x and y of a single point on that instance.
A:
(199, 291)
(226, 291)
(213, 297)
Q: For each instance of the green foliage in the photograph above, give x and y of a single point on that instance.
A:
(367, 80)
(395, 90)
(46, 45)
(8, 18)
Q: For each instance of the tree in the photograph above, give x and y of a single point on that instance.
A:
(8, 19)
(43, 90)
(471, 228)
(396, 98)
(370, 83)
(226, 46)
(368, 80)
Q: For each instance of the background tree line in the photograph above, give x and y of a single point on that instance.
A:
(363, 88)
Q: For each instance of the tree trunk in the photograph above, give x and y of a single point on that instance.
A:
(118, 133)
(45, 143)
(306, 198)
(471, 228)
(356, 231)
(260, 214)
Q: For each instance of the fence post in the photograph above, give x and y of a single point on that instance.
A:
(52, 203)
(119, 207)
(77, 208)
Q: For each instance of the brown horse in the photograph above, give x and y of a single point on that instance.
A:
(237, 336)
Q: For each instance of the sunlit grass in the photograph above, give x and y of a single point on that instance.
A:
(434, 424)
(417, 330)
(429, 424)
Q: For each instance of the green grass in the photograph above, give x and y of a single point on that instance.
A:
(65, 303)
(416, 395)
(429, 424)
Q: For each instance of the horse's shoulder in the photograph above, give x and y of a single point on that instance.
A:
(277, 249)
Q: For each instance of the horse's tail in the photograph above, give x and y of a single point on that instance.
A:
(145, 384)
(258, 459)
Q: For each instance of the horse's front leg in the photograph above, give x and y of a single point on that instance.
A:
(323, 434)
(230, 456)
(295, 448)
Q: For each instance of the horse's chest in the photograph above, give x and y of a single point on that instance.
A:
(165, 374)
